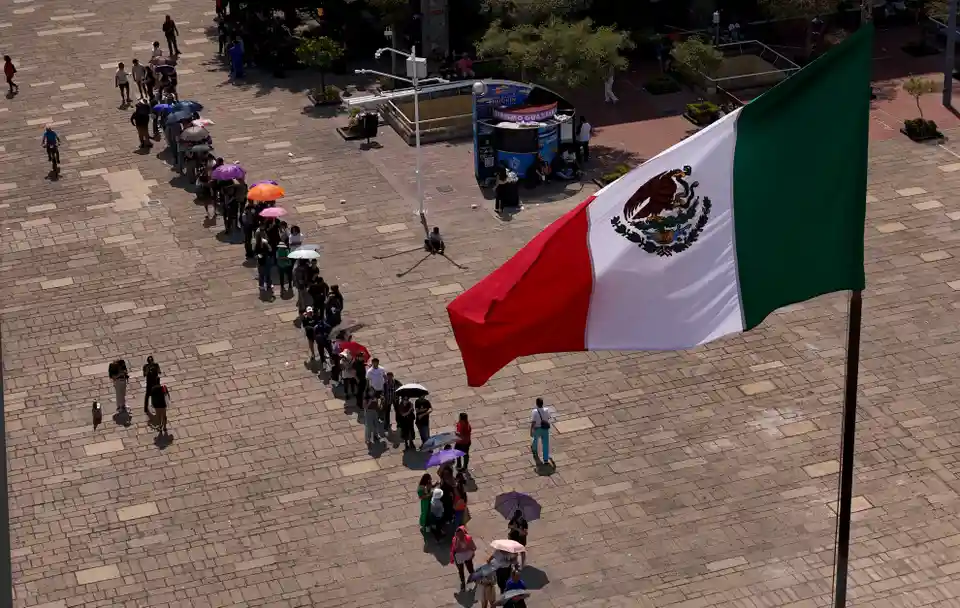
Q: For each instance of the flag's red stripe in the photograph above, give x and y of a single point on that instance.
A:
(537, 302)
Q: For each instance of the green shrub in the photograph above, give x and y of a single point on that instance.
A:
(616, 174)
(703, 112)
(920, 128)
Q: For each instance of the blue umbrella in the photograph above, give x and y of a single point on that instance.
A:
(162, 107)
(178, 117)
(438, 441)
(192, 106)
(443, 457)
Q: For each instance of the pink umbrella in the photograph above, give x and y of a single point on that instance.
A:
(273, 212)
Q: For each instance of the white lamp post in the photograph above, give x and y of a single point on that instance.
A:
(417, 72)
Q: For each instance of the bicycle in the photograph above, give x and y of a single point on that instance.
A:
(53, 155)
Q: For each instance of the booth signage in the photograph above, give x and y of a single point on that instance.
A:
(526, 113)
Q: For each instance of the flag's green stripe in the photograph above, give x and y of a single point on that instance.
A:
(800, 181)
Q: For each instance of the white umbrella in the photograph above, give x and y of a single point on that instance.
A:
(304, 254)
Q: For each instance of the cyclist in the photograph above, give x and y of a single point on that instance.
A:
(51, 141)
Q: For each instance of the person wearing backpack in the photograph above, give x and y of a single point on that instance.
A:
(540, 422)
(119, 376)
(151, 373)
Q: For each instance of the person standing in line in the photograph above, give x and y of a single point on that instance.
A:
(517, 528)
(139, 74)
(119, 376)
(376, 377)
(608, 94)
(171, 32)
(308, 322)
(8, 71)
(462, 551)
(284, 265)
(584, 134)
(389, 400)
(463, 431)
(371, 419)
(360, 368)
(540, 422)
(405, 418)
(422, 409)
(151, 373)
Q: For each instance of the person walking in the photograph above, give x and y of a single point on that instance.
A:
(160, 397)
(171, 32)
(139, 74)
(584, 133)
(151, 373)
(140, 119)
(462, 551)
(122, 81)
(540, 422)
(8, 72)
(422, 409)
(119, 376)
(463, 431)
(608, 94)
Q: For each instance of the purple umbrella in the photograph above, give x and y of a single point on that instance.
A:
(228, 172)
(266, 181)
(443, 457)
(511, 502)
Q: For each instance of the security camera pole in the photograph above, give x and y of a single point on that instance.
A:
(417, 73)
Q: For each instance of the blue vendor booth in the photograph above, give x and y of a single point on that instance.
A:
(513, 123)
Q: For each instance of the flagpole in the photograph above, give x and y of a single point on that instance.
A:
(845, 510)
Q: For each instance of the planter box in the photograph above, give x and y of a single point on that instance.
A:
(701, 122)
(932, 137)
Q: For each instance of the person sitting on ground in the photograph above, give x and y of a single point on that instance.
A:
(434, 242)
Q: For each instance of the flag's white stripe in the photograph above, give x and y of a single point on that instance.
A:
(644, 301)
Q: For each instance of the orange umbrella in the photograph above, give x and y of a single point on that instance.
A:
(265, 192)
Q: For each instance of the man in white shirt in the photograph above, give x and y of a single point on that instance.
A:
(376, 377)
(584, 133)
(540, 423)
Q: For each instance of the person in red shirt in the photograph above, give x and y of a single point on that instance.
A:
(8, 71)
(463, 442)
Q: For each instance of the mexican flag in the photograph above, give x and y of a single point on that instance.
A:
(762, 209)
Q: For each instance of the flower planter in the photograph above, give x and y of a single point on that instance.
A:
(920, 130)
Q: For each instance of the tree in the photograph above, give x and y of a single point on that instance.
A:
(533, 12)
(698, 56)
(320, 53)
(794, 9)
(559, 53)
(917, 87)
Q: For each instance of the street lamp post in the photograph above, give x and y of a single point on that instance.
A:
(417, 72)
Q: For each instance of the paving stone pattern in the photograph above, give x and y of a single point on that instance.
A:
(692, 479)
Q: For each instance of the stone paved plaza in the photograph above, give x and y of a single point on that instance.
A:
(692, 479)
